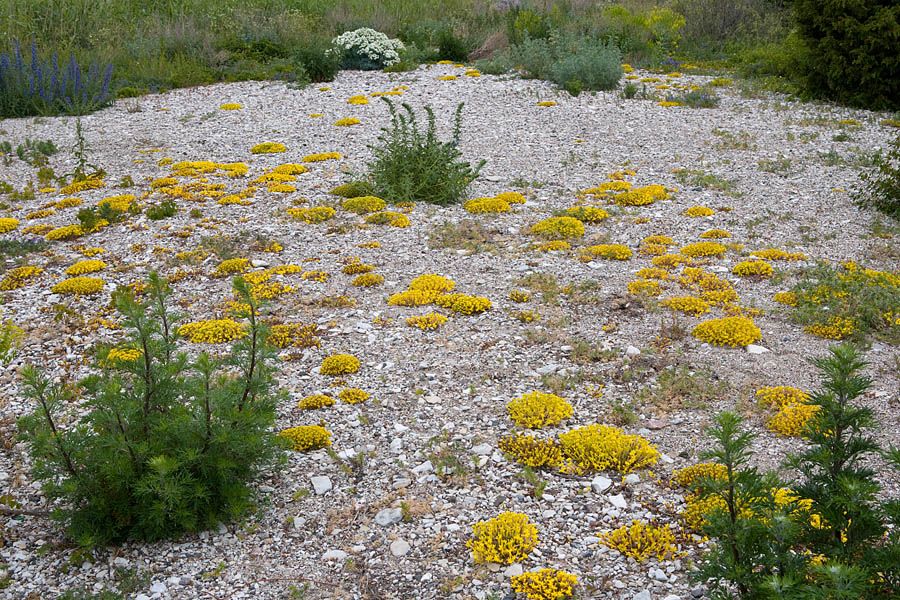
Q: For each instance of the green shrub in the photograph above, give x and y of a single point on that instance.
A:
(162, 211)
(316, 61)
(451, 47)
(566, 59)
(853, 54)
(410, 165)
(881, 186)
(828, 537)
(696, 98)
(168, 444)
(524, 24)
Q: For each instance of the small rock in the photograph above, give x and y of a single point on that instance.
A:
(266, 489)
(618, 501)
(632, 351)
(425, 467)
(645, 595)
(548, 369)
(698, 592)
(672, 597)
(399, 548)
(321, 484)
(259, 263)
(482, 449)
(401, 482)
(158, 588)
(121, 561)
(658, 574)
(388, 516)
(632, 478)
(142, 597)
(493, 567)
(334, 555)
(656, 424)
(513, 570)
(754, 349)
(600, 484)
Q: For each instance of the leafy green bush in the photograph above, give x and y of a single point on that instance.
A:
(44, 88)
(451, 47)
(881, 186)
(164, 210)
(853, 54)
(699, 98)
(826, 537)
(168, 444)
(568, 60)
(524, 24)
(316, 61)
(414, 166)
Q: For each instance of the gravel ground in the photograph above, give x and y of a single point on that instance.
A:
(429, 433)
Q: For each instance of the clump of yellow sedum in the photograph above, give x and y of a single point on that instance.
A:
(486, 205)
(506, 539)
(364, 204)
(296, 335)
(537, 409)
(776, 254)
(687, 304)
(463, 304)
(353, 395)
(339, 364)
(546, 584)
(309, 158)
(368, 280)
(587, 214)
(519, 296)
(213, 331)
(19, 277)
(388, 217)
(780, 396)
(315, 401)
(231, 267)
(307, 437)
(791, 420)
(347, 122)
(703, 249)
(559, 228)
(699, 211)
(598, 447)
(268, 148)
(641, 540)
(511, 197)
(531, 451)
(316, 214)
(688, 476)
(607, 251)
(641, 196)
(429, 321)
(8, 224)
(715, 234)
(231, 106)
(86, 266)
(728, 331)
(80, 286)
(432, 282)
(752, 268)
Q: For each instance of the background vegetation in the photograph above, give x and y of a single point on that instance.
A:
(173, 43)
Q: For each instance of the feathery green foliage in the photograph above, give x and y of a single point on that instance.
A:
(168, 444)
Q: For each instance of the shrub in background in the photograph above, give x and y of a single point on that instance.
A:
(853, 54)
(168, 445)
(316, 61)
(410, 165)
(572, 62)
(44, 88)
(366, 49)
(881, 186)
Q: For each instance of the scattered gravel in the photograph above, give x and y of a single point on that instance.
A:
(396, 527)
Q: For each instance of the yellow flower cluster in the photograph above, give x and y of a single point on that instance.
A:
(231, 106)
(80, 186)
(525, 316)
(368, 280)
(81, 286)
(776, 254)
(715, 234)
(699, 211)
(347, 122)
(669, 261)
(788, 298)
(118, 203)
(791, 420)
(728, 331)
(355, 268)
(413, 298)
(703, 249)
(307, 437)
(835, 328)
(429, 321)
(281, 188)
(267, 148)
(69, 202)
(538, 409)
(711, 288)
(554, 246)
(641, 541)
(359, 99)
(315, 401)
(607, 251)
(641, 196)
(296, 335)
(213, 331)
(604, 189)
(780, 396)
(687, 304)
(18, 277)
(316, 214)
(86, 266)
(547, 103)
(38, 214)
(688, 476)
(447, 78)
(230, 267)
(321, 156)
(432, 282)
(353, 395)
(598, 447)
(339, 364)
(121, 355)
(511, 197)
(531, 451)
(587, 214)
(653, 273)
(559, 228)
(507, 538)
(519, 296)
(463, 304)
(89, 251)
(752, 268)
(644, 287)
(546, 584)
(364, 204)
(388, 217)
(486, 205)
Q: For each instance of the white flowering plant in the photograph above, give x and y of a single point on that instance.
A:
(366, 49)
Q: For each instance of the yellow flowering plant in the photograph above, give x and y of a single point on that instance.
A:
(537, 409)
(506, 539)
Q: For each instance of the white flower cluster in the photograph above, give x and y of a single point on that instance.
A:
(371, 44)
